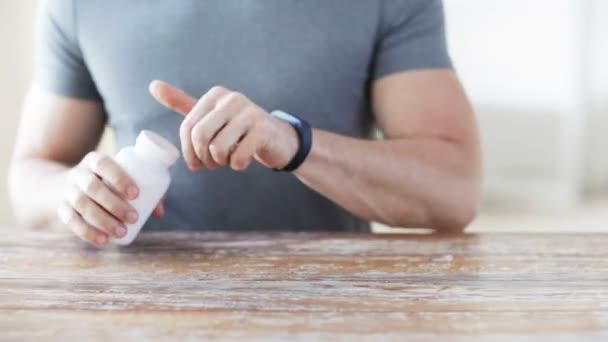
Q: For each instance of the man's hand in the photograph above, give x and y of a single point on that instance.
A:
(225, 128)
(95, 205)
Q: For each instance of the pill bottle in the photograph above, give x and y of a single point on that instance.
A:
(148, 163)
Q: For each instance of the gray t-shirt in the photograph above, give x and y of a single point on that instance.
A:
(312, 58)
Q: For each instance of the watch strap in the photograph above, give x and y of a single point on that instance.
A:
(304, 132)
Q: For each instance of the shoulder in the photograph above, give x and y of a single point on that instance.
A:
(395, 12)
(57, 18)
(58, 8)
(61, 12)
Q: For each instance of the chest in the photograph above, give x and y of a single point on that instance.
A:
(282, 53)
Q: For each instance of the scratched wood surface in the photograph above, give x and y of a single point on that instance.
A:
(188, 286)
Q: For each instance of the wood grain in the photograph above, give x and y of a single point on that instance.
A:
(308, 286)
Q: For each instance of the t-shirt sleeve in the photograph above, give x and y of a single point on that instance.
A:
(411, 36)
(59, 65)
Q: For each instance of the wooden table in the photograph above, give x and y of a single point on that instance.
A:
(187, 286)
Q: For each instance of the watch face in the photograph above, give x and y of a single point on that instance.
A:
(286, 117)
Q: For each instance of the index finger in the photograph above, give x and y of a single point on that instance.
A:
(179, 101)
(172, 97)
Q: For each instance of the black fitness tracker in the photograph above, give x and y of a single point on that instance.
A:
(304, 136)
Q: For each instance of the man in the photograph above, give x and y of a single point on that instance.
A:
(341, 66)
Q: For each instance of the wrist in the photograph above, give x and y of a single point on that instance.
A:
(314, 155)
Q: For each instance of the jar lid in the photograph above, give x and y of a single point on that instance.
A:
(155, 146)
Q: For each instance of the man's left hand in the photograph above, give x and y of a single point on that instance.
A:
(225, 128)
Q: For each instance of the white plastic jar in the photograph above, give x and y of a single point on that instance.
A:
(148, 163)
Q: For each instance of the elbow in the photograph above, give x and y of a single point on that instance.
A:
(11, 186)
(13, 190)
(456, 219)
(457, 212)
(449, 214)
(450, 218)
(23, 217)
(20, 217)
(459, 204)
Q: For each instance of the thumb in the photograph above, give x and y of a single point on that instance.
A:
(172, 97)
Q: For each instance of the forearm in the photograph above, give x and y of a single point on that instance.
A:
(417, 182)
(36, 189)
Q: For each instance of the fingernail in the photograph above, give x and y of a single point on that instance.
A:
(196, 166)
(154, 87)
(101, 239)
(120, 231)
(132, 192)
(132, 217)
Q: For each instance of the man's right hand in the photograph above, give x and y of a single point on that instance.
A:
(95, 203)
